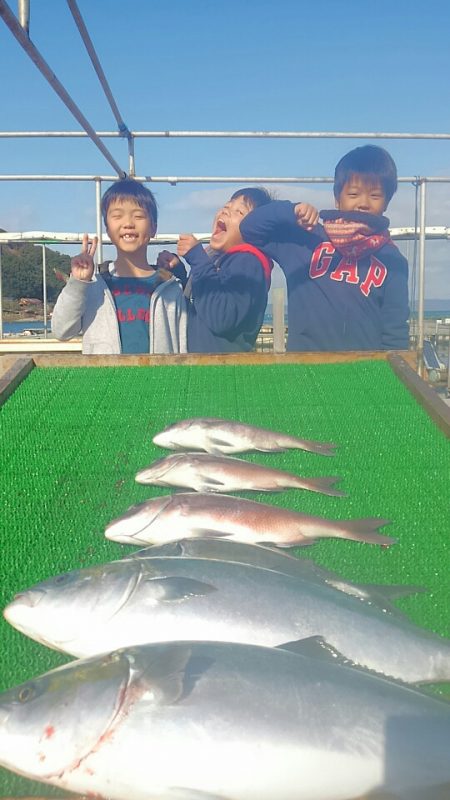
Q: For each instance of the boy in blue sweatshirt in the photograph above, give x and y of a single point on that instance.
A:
(347, 282)
(228, 282)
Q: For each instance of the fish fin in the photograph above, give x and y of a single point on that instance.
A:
(392, 591)
(217, 444)
(315, 647)
(174, 589)
(209, 484)
(166, 550)
(380, 595)
(365, 530)
(321, 448)
(323, 485)
(287, 545)
(206, 533)
(366, 593)
(164, 671)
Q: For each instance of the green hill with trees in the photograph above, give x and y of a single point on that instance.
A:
(22, 273)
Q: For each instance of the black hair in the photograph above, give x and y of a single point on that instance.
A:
(373, 163)
(129, 188)
(253, 196)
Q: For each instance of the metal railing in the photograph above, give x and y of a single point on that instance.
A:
(19, 27)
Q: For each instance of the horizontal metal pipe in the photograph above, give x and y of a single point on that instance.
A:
(199, 179)
(234, 134)
(61, 237)
(23, 39)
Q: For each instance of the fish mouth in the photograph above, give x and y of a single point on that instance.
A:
(142, 517)
(162, 441)
(29, 599)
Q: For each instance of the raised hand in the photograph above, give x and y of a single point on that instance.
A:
(167, 260)
(307, 215)
(186, 242)
(82, 266)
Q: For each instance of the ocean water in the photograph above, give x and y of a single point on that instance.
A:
(16, 328)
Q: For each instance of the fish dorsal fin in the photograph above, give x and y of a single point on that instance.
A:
(175, 589)
(377, 595)
(393, 591)
(316, 647)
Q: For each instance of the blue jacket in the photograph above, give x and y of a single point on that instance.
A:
(228, 300)
(334, 303)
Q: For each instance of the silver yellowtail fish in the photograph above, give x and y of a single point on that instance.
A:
(185, 515)
(216, 435)
(206, 473)
(138, 600)
(222, 721)
(278, 560)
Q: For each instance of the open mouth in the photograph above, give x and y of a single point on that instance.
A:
(219, 227)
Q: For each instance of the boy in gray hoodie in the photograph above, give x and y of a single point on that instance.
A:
(126, 306)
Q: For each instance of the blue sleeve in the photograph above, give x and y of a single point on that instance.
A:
(274, 229)
(179, 271)
(227, 297)
(273, 222)
(395, 309)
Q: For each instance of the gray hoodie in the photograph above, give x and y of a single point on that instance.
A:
(88, 308)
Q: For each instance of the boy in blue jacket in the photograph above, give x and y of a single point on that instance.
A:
(228, 282)
(347, 282)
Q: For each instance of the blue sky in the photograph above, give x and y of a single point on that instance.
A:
(201, 65)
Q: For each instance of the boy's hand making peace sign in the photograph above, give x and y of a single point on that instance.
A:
(83, 264)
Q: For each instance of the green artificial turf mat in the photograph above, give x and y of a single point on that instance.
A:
(72, 441)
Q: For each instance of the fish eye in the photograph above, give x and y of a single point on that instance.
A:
(60, 579)
(26, 693)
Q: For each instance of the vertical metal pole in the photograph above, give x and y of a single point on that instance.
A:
(1, 296)
(44, 287)
(421, 286)
(279, 344)
(24, 15)
(131, 162)
(98, 207)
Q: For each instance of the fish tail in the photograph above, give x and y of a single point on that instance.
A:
(365, 530)
(322, 485)
(321, 448)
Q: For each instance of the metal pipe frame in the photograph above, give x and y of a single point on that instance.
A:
(173, 179)
(44, 288)
(123, 129)
(228, 135)
(98, 213)
(421, 282)
(23, 39)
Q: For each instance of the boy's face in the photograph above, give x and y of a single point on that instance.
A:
(225, 232)
(360, 195)
(128, 225)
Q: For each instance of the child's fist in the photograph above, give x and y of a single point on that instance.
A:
(307, 216)
(167, 260)
(186, 242)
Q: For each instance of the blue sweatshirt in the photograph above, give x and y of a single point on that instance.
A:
(227, 303)
(334, 302)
